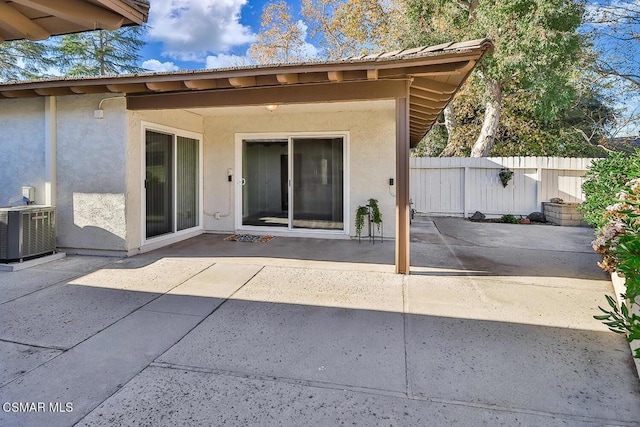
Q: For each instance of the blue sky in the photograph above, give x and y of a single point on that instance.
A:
(197, 34)
(194, 34)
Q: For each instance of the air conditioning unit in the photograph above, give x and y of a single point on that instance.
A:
(27, 232)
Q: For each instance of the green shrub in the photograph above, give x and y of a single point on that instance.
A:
(606, 178)
(619, 243)
(510, 219)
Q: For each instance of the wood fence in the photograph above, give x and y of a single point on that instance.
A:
(459, 186)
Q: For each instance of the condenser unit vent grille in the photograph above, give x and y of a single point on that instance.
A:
(27, 232)
(3, 233)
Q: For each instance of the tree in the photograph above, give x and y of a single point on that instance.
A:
(614, 29)
(281, 39)
(23, 60)
(101, 52)
(352, 27)
(536, 44)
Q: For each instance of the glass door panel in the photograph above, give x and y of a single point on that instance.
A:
(265, 191)
(318, 183)
(187, 189)
(159, 183)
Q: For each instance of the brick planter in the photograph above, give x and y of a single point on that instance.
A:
(563, 214)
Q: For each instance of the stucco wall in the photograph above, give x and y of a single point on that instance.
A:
(91, 177)
(177, 119)
(22, 162)
(371, 127)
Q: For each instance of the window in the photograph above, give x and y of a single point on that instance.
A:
(171, 182)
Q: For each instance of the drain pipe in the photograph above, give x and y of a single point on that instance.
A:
(50, 150)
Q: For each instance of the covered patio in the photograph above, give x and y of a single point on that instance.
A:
(339, 133)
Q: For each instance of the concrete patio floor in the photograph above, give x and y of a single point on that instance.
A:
(494, 327)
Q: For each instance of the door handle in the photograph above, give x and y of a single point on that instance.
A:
(243, 182)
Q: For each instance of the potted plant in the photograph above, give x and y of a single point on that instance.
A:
(376, 216)
(505, 175)
(361, 212)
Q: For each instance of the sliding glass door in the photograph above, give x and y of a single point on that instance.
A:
(318, 181)
(172, 183)
(293, 183)
(265, 190)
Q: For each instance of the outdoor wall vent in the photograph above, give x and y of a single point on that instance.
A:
(27, 232)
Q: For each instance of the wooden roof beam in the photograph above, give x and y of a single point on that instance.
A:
(422, 122)
(247, 81)
(451, 68)
(76, 11)
(19, 93)
(416, 109)
(201, 84)
(427, 107)
(335, 76)
(419, 93)
(372, 74)
(171, 86)
(425, 102)
(88, 89)
(128, 88)
(433, 86)
(122, 8)
(55, 91)
(11, 18)
(289, 78)
(423, 115)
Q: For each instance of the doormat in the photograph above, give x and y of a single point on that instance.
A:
(251, 238)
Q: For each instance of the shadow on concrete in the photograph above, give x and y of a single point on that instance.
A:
(383, 359)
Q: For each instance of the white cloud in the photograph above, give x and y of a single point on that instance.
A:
(189, 29)
(224, 61)
(309, 50)
(155, 65)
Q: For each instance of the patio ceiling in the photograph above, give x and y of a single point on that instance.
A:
(433, 75)
(41, 19)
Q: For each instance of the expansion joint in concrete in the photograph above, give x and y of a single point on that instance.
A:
(280, 379)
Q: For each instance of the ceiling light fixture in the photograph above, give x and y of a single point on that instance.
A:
(271, 107)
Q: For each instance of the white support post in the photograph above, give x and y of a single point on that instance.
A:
(465, 195)
(50, 150)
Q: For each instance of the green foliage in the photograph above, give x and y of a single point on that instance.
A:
(606, 178)
(376, 216)
(619, 243)
(433, 143)
(550, 106)
(509, 219)
(98, 53)
(280, 39)
(361, 213)
(505, 176)
(621, 321)
(23, 60)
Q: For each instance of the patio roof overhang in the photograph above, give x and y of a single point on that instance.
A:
(432, 75)
(41, 19)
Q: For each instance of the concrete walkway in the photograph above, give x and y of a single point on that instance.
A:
(494, 327)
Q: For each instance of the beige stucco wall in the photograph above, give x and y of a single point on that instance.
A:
(99, 161)
(91, 154)
(371, 129)
(22, 141)
(177, 119)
